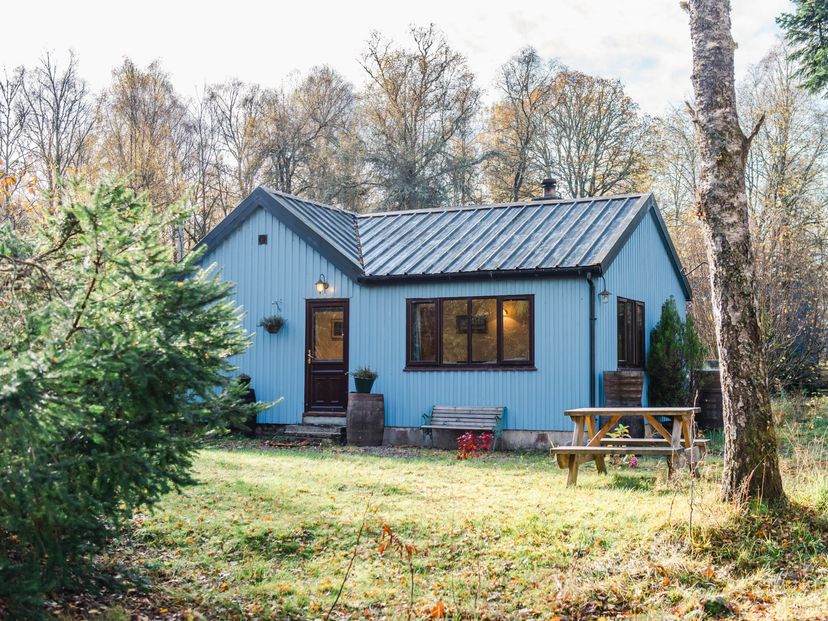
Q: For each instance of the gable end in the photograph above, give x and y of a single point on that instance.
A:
(261, 198)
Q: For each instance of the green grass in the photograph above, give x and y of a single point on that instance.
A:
(269, 533)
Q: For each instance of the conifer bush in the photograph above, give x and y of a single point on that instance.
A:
(675, 351)
(113, 367)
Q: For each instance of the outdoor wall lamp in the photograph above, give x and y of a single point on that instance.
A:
(605, 294)
(322, 284)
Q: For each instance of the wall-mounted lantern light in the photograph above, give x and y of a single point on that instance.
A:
(605, 294)
(322, 284)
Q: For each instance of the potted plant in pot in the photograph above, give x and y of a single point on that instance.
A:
(364, 378)
(272, 323)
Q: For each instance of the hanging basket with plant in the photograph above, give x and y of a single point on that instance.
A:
(272, 323)
(364, 378)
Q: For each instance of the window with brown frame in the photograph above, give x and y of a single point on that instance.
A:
(469, 333)
(630, 334)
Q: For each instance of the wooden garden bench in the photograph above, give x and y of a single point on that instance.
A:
(464, 418)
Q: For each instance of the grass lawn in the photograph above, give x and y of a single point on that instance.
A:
(270, 533)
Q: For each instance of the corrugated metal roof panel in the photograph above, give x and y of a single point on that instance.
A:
(333, 223)
(548, 235)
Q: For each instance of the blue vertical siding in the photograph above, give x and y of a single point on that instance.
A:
(282, 271)
(286, 269)
(642, 271)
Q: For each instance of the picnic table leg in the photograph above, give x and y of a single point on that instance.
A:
(675, 442)
(577, 440)
(592, 429)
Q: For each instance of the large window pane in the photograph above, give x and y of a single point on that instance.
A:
(424, 332)
(455, 331)
(484, 329)
(622, 333)
(639, 334)
(516, 328)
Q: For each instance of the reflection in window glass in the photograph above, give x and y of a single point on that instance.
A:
(328, 334)
(455, 331)
(516, 331)
(424, 332)
(484, 329)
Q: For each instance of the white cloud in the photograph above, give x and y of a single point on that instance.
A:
(645, 43)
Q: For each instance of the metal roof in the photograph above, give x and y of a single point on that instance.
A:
(338, 225)
(538, 237)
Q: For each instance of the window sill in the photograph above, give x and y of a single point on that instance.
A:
(472, 367)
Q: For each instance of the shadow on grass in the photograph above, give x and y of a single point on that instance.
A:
(635, 483)
(791, 542)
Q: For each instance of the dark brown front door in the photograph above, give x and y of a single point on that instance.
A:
(326, 356)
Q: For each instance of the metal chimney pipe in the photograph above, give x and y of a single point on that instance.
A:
(550, 186)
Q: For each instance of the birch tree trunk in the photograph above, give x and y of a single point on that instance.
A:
(751, 464)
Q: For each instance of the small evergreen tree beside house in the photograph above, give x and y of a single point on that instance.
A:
(675, 351)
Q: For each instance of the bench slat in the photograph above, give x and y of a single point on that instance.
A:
(460, 408)
(469, 427)
(482, 419)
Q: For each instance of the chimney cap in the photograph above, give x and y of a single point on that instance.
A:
(549, 185)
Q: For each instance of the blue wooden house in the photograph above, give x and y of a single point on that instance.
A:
(522, 305)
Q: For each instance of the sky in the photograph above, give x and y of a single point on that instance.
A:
(644, 43)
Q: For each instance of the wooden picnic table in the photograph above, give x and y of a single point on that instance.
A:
(592, 447)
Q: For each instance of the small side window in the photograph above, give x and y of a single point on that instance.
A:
(263, 240)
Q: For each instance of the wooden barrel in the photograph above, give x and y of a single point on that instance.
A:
(366, 419)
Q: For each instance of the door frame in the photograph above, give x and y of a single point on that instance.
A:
(310, 304)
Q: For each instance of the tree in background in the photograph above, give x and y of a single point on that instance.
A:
(14, 163)
(416, 103)
(807, 31)
(204, 174)
(787, 186)
(751, 462)
(59, 122)
(238, 111)
(142, 132)
(525, 86)
(675, 351)
(304, 124)
(594, 139)
(110, 357)
(787, 190)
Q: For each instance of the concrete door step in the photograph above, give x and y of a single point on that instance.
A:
(333, 432)
(315, 419)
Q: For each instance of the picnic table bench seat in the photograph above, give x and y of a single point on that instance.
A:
(656, 449)
(464, 418)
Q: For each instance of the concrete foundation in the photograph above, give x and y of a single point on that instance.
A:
(510, 440)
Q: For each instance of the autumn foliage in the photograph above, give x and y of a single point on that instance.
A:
(470, 445)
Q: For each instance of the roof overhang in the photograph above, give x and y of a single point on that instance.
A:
(648, 206)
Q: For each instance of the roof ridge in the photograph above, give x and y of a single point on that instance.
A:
(539, 203)
(530, 203)
(311, 201)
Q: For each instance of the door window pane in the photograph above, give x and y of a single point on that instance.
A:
(516, 341)
(328, 331)
(484, 329)
(455, 331)
(424, 332)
